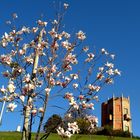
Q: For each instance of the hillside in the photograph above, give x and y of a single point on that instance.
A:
(16, 136)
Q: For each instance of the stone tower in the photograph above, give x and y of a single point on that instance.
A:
(116, 113)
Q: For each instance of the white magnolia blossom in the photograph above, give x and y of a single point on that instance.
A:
(11, 87)
(47, 90)
(75, 85)
(41, 110)
(74, 76)
(81, 35)
(65, 34)
(65, 5)
(109, 65)
(90, 57)
(85, 49)
(3, 90)
(22, 98)
(112, 56)
(93, 122)
(117, 72)
(100, 76)
(94, 88)
(41, 23)
(71, 130)
(110, 72)
(34, 111)
(11, 107)
(101, 69)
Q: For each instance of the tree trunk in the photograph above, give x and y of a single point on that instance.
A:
(25, 131)
(41, 118)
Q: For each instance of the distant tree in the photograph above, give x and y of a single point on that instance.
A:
(83, 125)
(52, 123)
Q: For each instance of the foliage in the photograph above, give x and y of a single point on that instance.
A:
(108, 131)
(83, 125)
(52, 123)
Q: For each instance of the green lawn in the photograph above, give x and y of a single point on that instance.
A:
(17, 136)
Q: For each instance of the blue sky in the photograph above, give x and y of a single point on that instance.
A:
(110, 24)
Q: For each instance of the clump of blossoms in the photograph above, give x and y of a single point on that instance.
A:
(72, 128)
(40, 62)
(93, 120)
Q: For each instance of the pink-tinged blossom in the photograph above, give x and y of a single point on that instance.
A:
(41, 110)
(35, 29)
(93, 122)
(27, 78)
(27, 88)
(94, 88)
(53, 69)
(91, 106)
(74, 76)
(75, 85)
(109, 80)
(6, 74)
(13, 53)
(6, 59)
(11, 107)
(41, 70)
(68, 95)
(29, 59)
(34, 111)
(41, 23)
(30, 100)
(81, 97)
(21, 52)
(47, 90)
(52, 81)
(66, 45)
(73, 127)
(100, 76)
(71, 58)
(90, 57)
(85, 49)
(65, 34)
(81, 35)
(84, 104)
(53, 33)
(67, 79)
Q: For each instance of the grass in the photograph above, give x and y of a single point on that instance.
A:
(17, 136)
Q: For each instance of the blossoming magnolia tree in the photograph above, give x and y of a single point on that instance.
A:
(40, 62)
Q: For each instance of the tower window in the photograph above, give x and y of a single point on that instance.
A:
(125, 110)
(126, 128)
